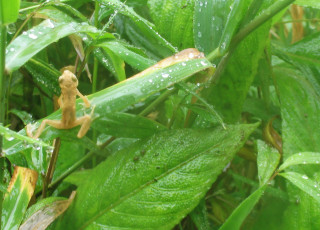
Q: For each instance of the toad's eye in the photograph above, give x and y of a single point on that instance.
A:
(60, 80)
(74, 79)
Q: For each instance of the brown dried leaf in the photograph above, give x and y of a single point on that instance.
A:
(41, 219)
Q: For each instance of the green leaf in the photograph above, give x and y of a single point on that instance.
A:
(25, 117)
(237, 217)
(303, 182)
(34, 40)
(140, 30)
(134, 59)
(305, 56)
(301, 158)
(127, 125)
(44, 75)
(267, 161)
(300, 111)
(12, 136)
(15, 203)
(239, 9)
(112, 62)
(174, 20)
(210, 18)
(9, 11)
(134, 191)
(199, 216)
(229, 94)
(310, 3)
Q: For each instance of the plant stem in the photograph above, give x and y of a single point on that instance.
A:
(80, 162)
(95, 64)
(73, 168)
(95, 72)
(260, 20)
(52, 166)
(250, 27)
(3, 38)
(156, 102)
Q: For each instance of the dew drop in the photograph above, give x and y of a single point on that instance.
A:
(183, 64)
(24, 33)
(305, 177)
(33, 36)
(165, 75)
(50, 24)
(11, 49)
(191, 55)
(223, 45)
(199, 34)
(203, 63)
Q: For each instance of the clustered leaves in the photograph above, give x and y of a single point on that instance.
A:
(200, 110)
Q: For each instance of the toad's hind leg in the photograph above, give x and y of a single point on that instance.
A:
(56, 124)
(85, 125)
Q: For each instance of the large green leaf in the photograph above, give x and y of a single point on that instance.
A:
(16, 200)
(174, 20)
(34, 40)
(229, 94)
(155, 189)
(300, 111)
(9, 11)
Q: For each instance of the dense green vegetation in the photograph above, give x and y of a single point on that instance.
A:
(224, 138)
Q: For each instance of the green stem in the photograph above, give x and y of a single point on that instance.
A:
(95, 71)
(156, 102)
(250, 27)
(3, 40)
(260, 20)
(214, 54)
(95, 64)
(72, 168)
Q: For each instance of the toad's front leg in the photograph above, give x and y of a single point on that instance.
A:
(54, 123)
